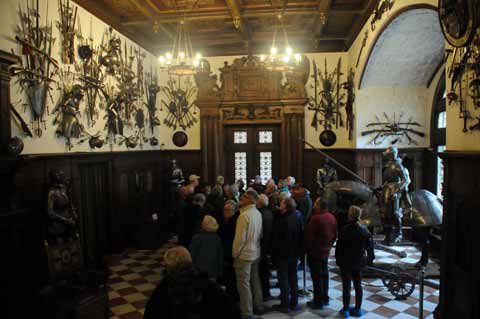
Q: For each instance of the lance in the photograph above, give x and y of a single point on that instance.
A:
(331, 159)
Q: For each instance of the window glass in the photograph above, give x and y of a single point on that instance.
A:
(240, 137)
(241, 166)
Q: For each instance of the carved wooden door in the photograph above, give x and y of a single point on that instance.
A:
(250, 151)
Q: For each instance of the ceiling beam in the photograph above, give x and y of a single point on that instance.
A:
(321, 17)
(222, 15)
(104, 13)
(239, 22)
(360, 22)
(145, 8)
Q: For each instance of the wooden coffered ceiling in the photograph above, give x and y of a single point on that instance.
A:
(236, 27)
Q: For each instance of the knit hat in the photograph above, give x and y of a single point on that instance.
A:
(209, 224)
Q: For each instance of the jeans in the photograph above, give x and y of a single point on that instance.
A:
(248, 280)
(287, 278)
(347, 277)
(229, 279)
(265, 276)
(319, 273)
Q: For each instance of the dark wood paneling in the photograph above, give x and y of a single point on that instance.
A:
(138, 184)
(313, 161)
(459, 294)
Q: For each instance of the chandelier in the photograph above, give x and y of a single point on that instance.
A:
(180, 60)
(280, 58)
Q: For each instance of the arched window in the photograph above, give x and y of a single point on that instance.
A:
(439, 121)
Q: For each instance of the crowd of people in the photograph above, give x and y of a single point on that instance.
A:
(232, 236)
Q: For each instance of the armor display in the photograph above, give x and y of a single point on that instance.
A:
(395, 198)
(326, 174)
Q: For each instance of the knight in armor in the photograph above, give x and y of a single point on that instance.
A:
(395, 198)
(325, 175)
(62, 217)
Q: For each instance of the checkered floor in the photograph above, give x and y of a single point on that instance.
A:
(135, 274)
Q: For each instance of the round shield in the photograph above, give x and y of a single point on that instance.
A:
(180, 139)
(328, 138)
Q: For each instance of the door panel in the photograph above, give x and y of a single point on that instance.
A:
(251, 151)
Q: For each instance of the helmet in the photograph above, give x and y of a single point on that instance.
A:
(391, 152)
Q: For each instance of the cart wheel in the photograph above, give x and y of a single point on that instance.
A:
(401, 287)
(395, 271)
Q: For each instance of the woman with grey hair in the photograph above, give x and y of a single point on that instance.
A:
(183, 293)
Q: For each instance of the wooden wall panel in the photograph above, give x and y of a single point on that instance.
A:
(138, 181)
(313, 160)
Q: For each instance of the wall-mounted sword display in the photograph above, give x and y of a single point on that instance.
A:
(330, 97)
(35, 75)
(180, 103)
(464, 74)
(393, 128)
(66, 26)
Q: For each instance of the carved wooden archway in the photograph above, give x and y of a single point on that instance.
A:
(251, 94)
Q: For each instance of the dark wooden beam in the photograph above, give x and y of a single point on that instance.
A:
(322, 9)
(240, 23)
(145, 8)
(104, 13)
(360, 22)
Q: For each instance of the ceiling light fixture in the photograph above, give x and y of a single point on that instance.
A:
(180, 60)
(283, 58)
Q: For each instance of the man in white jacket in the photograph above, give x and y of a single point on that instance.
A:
(246, 254)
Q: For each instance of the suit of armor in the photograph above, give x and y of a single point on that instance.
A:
(396, 180)
(325, 175)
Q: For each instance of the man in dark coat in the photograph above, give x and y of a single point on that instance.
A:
(287, 242)
(227, 234)
(184, 294)
(264, 267)
(320, 234)
(354, 241)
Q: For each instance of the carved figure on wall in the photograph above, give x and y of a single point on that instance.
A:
(38, 67)
(325, 175)
(62, 216)
(393, 127)
(66, 26)
(68, 114)
(296, 80)
(206, 82)
(395, 197)
(252, 112)
(384, 6)
(179, 103)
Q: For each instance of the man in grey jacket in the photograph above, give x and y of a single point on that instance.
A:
(246, 253)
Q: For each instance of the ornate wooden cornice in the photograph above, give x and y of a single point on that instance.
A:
(247, 81)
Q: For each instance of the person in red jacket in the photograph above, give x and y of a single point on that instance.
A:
(320, 235)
